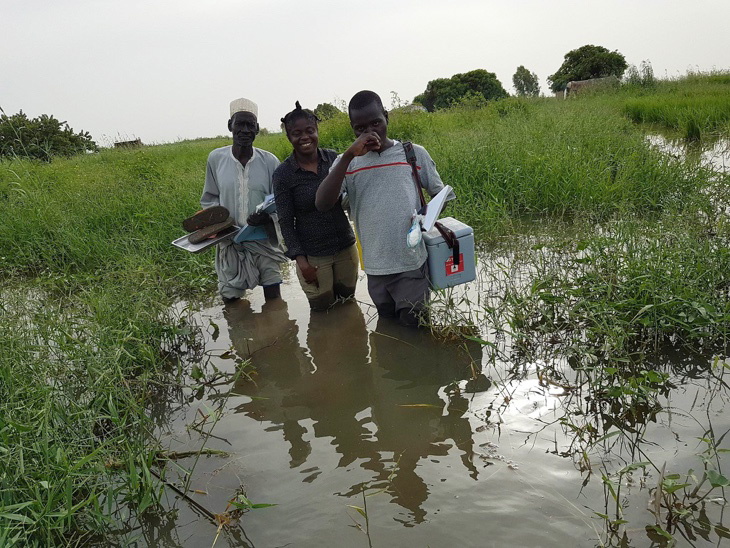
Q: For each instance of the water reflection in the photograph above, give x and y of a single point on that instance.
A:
(377, 396)
(335, 401)
(714, 154)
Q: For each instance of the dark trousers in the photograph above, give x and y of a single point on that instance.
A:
(403, 295)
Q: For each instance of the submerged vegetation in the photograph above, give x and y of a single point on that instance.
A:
(611, 251)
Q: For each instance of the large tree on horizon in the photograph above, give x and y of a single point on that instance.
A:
(587, 62)
(444, 92)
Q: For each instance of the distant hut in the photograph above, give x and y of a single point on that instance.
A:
(129, 144)
(579, 86)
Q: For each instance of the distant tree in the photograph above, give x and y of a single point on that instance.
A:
(42, 138)
(325, 111)
(444, 92)
(525, 82)
(585, 63)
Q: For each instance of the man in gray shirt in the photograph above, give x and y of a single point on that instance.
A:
(238, 177)
(379, 183)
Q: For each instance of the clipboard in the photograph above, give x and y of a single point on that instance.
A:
(435, 207)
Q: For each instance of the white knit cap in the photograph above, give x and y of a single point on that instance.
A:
(244, 105)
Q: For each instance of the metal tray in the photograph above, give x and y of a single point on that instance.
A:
(184, 243)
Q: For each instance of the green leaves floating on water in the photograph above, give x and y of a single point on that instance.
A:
(716, 479)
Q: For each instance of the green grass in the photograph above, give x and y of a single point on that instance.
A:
(696, 105)
(87, 332)
(690, 115)
(77, 377)
(628, 288)
(539, 158)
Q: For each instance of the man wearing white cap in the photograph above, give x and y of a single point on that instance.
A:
(238, 177)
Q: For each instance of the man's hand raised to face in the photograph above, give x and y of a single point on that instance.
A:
(364, 144)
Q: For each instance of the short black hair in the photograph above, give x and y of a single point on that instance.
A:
(364, 98)
(298, 112)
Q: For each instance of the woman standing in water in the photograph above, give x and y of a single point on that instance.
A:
(321, 242)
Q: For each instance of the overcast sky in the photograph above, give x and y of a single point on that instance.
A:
(167, 70)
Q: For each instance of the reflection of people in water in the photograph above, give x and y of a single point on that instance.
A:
(409, 370)
(270, 340)
(375, 395)
(340, 389)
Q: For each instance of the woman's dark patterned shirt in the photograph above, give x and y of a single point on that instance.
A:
(307, 231)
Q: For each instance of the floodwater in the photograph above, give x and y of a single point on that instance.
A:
(714, 154)
(340, 404)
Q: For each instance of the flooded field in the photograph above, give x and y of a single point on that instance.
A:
(363, 433)
(575, 395)
(714, 155)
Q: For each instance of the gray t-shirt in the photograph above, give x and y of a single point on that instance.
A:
(382, 198)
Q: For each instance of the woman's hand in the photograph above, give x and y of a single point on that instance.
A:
(309, 272)
(364, 144)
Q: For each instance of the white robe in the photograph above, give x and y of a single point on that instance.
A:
(240, 190)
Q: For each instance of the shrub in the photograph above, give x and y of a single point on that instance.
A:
(41, 138)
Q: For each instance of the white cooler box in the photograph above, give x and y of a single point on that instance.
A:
(442, 268)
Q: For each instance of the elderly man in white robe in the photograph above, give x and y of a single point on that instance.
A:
(238, 177)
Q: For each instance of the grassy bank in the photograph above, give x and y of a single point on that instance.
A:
(696, 105)
(88, 338)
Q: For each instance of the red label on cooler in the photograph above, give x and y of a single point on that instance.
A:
(451, 268)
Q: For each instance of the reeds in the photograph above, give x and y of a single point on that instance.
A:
(697, 105)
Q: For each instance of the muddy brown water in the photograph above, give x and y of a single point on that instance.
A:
(340, 402)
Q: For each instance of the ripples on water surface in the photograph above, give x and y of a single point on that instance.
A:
(341, 401)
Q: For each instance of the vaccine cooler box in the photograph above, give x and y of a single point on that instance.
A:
(443, 270)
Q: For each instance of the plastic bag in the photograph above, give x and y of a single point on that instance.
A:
(413, 238)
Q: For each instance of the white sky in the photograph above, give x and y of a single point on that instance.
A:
(167, 70)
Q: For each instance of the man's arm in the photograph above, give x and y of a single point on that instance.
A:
(262, 218)
(272, 163)
(329, 189)
(211, 192)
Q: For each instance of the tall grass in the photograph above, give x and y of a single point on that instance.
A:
(529, 159)
(86, 326)
(696, 105)
(77, 378)
(693, 116)
(628, 288)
